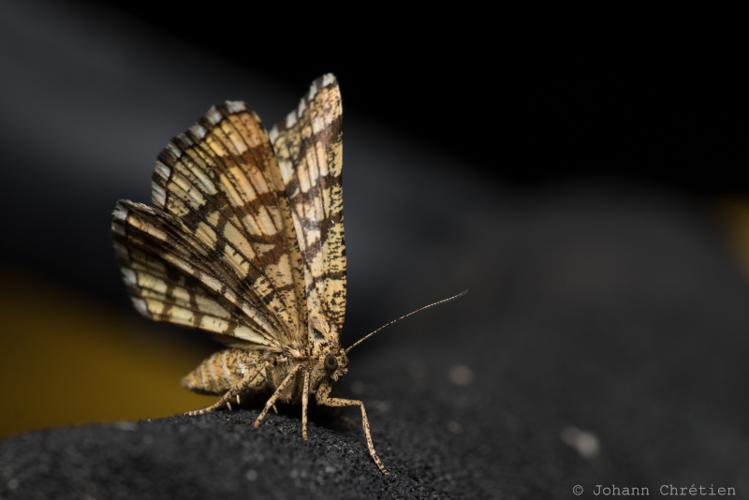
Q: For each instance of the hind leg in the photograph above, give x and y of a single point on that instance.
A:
(228, 372)
(233, 393)
(225, 400)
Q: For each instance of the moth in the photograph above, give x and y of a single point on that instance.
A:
(244, 239)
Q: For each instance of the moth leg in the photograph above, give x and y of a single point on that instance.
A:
(324, 400)
(272, 400)
(225, 400)
(305, 400)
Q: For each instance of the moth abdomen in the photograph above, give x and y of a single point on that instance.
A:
(226, 369)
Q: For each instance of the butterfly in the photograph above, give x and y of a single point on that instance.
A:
(244, 239)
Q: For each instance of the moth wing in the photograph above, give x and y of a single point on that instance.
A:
(218, 191)
(309, 148)
(169, 280)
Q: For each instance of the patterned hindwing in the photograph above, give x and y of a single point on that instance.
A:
(168, 280)
(308, 145)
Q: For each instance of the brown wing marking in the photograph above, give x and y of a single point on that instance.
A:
(168, 278)
(221, 180)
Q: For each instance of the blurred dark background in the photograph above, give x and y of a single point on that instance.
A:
(591, 190)
(527, 105)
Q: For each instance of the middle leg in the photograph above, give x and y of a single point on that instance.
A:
(305, 401)
(272, 400)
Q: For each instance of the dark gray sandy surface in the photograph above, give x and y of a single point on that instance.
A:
(220, 456)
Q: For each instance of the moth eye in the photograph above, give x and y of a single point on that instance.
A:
(330, 362)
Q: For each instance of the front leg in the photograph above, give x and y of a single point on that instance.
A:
(324, 399)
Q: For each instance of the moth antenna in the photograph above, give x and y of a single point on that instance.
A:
(389, 323)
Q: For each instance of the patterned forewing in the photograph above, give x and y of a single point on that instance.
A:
(308, 145)
(220, 180)
(168, 278)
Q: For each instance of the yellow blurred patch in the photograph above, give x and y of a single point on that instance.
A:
(735, 216)
(65, 359)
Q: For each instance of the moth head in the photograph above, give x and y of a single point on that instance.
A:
(333, 363)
